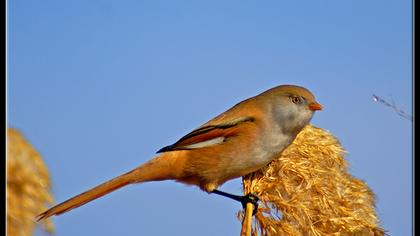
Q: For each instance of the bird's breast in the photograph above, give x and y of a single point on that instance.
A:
(270, 145)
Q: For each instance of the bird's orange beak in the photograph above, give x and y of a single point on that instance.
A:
(315, 106)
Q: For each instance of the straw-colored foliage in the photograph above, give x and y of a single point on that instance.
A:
(27, 190)
(308, 191)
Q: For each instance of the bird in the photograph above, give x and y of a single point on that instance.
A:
(239, 141)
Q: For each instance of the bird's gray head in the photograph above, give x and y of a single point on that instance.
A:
(292, 107)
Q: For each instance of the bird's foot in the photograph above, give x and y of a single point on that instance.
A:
(250, 198)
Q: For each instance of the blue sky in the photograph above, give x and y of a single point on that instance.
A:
(99, 86)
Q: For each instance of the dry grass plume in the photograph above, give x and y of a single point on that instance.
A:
(308, 191)
(27, 188)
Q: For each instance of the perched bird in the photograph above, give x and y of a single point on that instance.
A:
(237, 142)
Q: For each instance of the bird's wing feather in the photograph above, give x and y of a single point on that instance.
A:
(208, 135)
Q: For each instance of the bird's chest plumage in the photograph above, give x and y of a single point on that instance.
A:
(266, 147)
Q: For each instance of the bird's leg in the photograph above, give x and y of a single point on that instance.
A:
(249, 198)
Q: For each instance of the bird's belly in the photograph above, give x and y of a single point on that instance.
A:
(249, 163)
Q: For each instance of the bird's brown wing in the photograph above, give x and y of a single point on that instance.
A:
(207, 135)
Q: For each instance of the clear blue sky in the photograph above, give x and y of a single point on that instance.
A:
(99, 86)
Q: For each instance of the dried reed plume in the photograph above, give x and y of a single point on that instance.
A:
(308, 191)
(27, 190)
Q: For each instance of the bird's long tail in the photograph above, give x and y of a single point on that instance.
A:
(156, 169)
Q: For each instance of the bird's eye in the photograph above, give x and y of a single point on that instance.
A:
(296, 100)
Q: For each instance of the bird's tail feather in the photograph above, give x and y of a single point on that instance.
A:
(87, 196)
(154, 170)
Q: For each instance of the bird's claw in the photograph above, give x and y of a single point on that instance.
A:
(250, 198)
